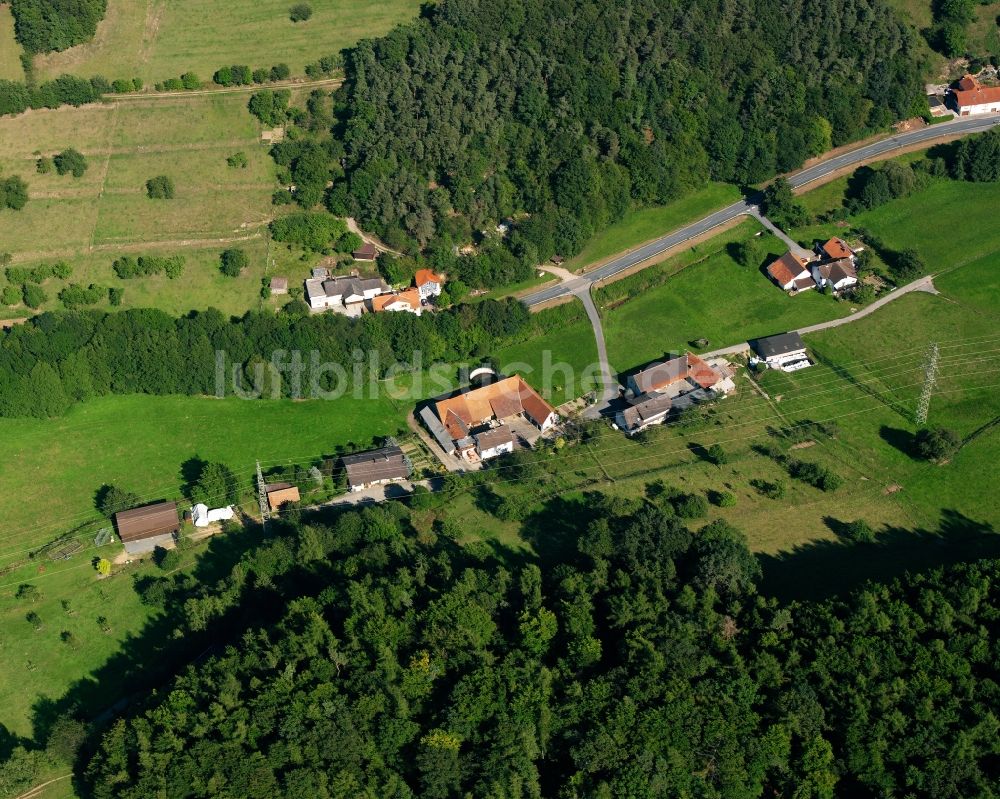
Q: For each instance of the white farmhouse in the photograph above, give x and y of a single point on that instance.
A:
(839, 274)
(970, 97)
(428, 283)
(785, 351)
(495, 442)
(791, 272)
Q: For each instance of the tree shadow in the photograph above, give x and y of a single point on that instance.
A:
(191, 471)
(553, 531)
(897, 438)
(824, 569)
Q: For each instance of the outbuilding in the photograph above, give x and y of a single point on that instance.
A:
(375, 467)
(279, 494)
(785, 351)
(143, 529)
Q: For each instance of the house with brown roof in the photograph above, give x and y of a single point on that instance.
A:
(969, 97)
(494, 442)
(838, 275)
(475, 411)
(375, 467)
(143, 529)
(835, 249)
(407, 301)
(279, 494)
(791, 272)
(675, 376)
(643, 411)
(428, 283)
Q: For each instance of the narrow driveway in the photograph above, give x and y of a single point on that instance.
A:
(884, 147)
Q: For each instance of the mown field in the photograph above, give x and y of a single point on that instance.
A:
(159, 39)
(89, 221)
(706, 294)
(10, 50)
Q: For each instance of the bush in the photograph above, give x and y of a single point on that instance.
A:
(717, 455)
(121, 86)
(44, 165)
(723, 499)
(313, 231)
(280, 72)
(775, 490)
(33, 295)
(128, 267)
(260, 75)
(238, 160)
(11, 295)
(691, 506)
(115, 296)
(112, 499)
(906, 265)
(160, 188)
(13, 193)
(270, 107)
(70, 161)
(233, 261)
(300, 12)
(76, 296)
(860, 532)
(936, 444)
(190, 81)
(173, 85)
(166, 559)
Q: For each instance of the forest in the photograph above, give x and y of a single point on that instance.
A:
(573, 111)
(45, 25)
(57, 359)
(369, 655)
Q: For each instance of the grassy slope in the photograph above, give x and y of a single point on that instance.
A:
(53, 467)
(189, 140)
(159, 39)
(713, 298)
(10, 50)
(648, 223)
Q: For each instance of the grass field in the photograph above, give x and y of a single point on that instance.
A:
(10, 50)
(89, 221)
(158, 39)
(641, 225)
(54, 467)
(710, 296)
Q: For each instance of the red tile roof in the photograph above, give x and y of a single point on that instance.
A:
(508, 397)
(971, 92)
(427, 276)
(411, 297)
(786, 268)
(837, 248)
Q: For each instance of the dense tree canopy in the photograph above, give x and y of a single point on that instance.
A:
(641, 663)
(45, 25)
(571, 110)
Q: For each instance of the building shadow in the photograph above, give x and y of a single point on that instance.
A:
(824, 569)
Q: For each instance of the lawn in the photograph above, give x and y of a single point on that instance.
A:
(561, 365)
(140, 442)
(10, 50)
(158, 39)
(711, 296)
(89, 221)
(641, 225)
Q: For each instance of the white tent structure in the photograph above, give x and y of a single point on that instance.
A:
(202, 516)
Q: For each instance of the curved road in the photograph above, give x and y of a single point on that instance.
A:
(959, 127)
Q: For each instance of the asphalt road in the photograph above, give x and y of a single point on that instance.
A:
(803, 177)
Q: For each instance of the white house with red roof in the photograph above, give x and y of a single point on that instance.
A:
(406, 301)
(428, 283)
(970, 97)
(791, 272)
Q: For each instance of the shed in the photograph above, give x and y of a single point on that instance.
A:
(279, 494)
(366, 252)
(143, 529)
(375, 467)
(279, 285)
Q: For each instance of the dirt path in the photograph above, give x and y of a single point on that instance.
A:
(291, 84)
(138, 246)
(354, 227)
(31, 794)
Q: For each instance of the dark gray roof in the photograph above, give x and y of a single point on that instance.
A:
(646, 407)
(346, 286)
(385, 463)
(781, 344)
(494, 438)
(432, 423)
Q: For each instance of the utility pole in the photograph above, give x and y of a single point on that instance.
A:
(930, 380)
(262, 497)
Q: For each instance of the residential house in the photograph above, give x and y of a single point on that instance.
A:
(343, 293)
(428, 283)
(375, 467)
(494, 442)
(143, 529)
(834, 249)
(407, 301)
(366, 252)
(279, 285)
(838, 275)
(784, 351)
(644, 411)
(474, 411)
(676, 376)
(970, 97)
(791, 272)
(279, 494)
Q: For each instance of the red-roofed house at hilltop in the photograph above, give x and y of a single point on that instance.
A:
(791, 272)
(428, 283)
(970, 97)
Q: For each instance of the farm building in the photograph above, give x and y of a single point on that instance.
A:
(279, 285)
(407, 301)
(143, 529)
(784, 351)
(375, 467)
(343, 293)
(494, 442)
(279, 494)
(834, 249)
(970, 97)
(644, 411)
(462, 417)
(366, 252)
